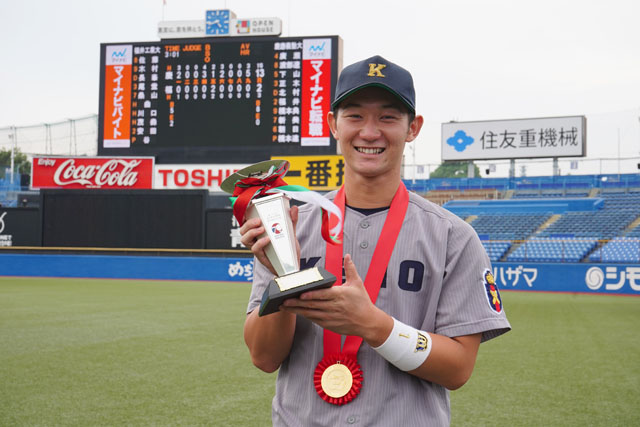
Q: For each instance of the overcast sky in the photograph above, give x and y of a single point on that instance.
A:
(471, 59)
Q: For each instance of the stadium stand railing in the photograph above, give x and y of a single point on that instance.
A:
(441, 197)
(561, 183)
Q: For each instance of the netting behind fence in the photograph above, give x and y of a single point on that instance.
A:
(75, 137)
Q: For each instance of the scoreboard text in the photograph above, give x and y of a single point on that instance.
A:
(218, 100)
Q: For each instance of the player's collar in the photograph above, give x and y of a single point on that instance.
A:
(367, 212)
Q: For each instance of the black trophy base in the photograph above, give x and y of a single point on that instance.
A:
(273, 296)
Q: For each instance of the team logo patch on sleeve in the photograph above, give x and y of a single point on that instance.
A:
(493, 294)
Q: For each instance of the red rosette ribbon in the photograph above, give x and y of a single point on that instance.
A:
(356, 374)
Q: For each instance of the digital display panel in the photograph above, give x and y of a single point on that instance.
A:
(213, 100)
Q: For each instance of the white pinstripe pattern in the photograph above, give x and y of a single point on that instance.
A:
(451, 301)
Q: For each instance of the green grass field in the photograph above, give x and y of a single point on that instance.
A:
(119, 352)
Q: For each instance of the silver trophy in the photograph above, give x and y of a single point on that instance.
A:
(273, 211)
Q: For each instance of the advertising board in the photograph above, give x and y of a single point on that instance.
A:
(512, 139)
(92, 172)
(569, 277)
(193, 177)
(20, 227)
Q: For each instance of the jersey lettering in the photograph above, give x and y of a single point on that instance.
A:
(409, 279)
(411, 274)
(308, 263)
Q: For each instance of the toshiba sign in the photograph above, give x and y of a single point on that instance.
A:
(196, 177)
(92, 172)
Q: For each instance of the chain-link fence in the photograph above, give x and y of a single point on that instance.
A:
(73, 137)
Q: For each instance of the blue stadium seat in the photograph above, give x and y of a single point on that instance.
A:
(516, 226)
(618, 250)
(552, 250)
(496, 249)
(573, 236)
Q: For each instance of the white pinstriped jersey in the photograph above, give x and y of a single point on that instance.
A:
(436, 281)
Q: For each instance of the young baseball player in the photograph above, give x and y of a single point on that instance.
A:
(385, 344)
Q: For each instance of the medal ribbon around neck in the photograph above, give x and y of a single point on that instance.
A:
(249, 188)
(372, 283)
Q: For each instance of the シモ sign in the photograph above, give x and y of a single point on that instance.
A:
(513, 139)
(622, 279)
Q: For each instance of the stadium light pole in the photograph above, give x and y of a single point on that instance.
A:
(415, 168)
(618, 154)
(13, 150)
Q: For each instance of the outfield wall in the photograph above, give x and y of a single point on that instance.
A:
(568, 277)
(128, 267)
(547, 277)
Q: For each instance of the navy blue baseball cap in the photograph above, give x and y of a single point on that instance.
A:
(376, 71)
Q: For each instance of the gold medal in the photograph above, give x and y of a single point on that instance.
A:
(336, 380)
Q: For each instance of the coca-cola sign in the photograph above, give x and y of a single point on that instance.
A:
(92, 172)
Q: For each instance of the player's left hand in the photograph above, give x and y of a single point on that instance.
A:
(346, 309)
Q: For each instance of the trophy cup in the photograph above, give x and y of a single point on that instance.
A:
(273, 210)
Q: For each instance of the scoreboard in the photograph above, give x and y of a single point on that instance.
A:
(218, 100)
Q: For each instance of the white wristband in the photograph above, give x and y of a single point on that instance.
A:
(407, 348)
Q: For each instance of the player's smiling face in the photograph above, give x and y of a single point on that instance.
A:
(372, 127)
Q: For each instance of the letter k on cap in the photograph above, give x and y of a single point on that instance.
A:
(375, 70)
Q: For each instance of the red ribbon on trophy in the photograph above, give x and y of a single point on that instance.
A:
(268, 179)
(248, 188)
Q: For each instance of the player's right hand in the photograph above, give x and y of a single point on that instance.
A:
(251, 231)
